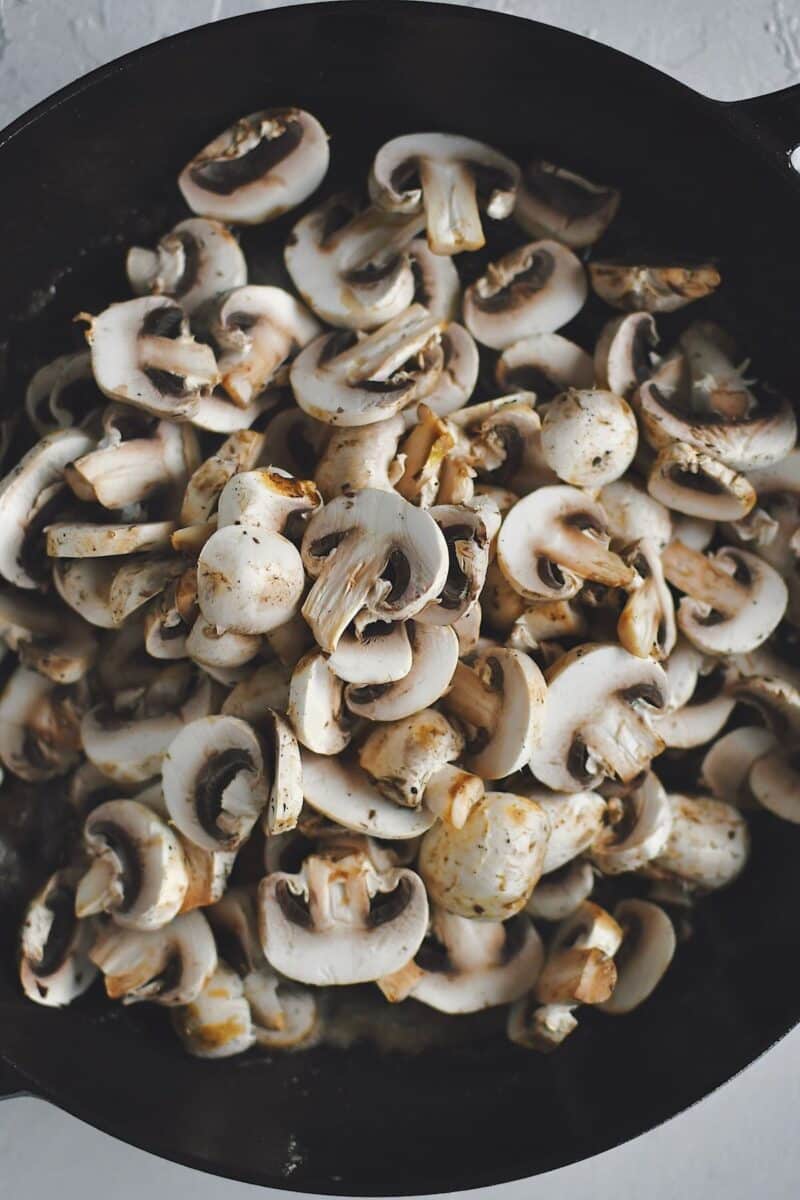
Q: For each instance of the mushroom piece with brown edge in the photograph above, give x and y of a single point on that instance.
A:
(589, 438)
(647, 948)
(212, 650)
(364, 457)
(284, 766)
(436, 281)
(459, 373)
(83, 539)
(434, 650)
(259, 168)
(402, 757)
(215, 784)
(646, 625)
(597, 718)
(344, 793)
(708, 844)
(46, 637)
(341, 921)
(341, 379)
(542, 1027)
(545, 364)
(106, 592)
(553, 540)
(40, 726)
(168, 966)
(372, 552)
(144, 354)
(197, 260)
(655, 288)
(469, 531)
(534, 289)
(555, 202)
(316, 706)
(218, 1022)
(701, 717)
(632, 514)
(266, 686)
(624, 353)
(637, 828)
(449, 177)
(501, 702)
(62, 394)
(579, 967)
(423, 454)
(137, 873)
(732, 600)
(576, 819)
(54, 964)
(698, 485)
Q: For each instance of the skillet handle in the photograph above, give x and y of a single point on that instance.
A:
(10, 1082)
(775, 120)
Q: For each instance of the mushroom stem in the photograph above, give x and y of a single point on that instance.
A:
(386, 350)
(376, 238)
(577, 975)
(451, 206)
(340, 591)
(697, 576)
(194, 360)
(452, 793)
(400, 984)
(622, 752)
(472, 699)
(116, 476)
(98, 891)
(578, 551)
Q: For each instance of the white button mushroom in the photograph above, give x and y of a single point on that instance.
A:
(589, 438)
(193, 263)
(579, 968)
(363, 457)
(555, 202)
(169, 966)
(708, 844)
(632, 514)
(728, 764)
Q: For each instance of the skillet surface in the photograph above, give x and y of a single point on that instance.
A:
(93, 169)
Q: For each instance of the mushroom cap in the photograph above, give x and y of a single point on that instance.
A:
(545, 364)
(658, 288)
(286, 792)
(315, 705)
(632, 514)
(402, 756)
(596, 718)
(379, 653)
(576, 819)
(535, 289)
(763, 603)
(196, 261)
(555, 202)
(623, 355)
(487, 869)
(249, 580)
(648, 945)
(217, 1023)
(557, 895)
(260, 167)
(344, 792)
(27, 496)
(340, 921)
(641, 832)
(265, 499)
(708, 844)
(168, 966)
(434, 659)
(211, 649)
(459, 375)
(727, 764)
(214, 782)
(589, 438)
(698, 485)
(54, 966)
(138, 873)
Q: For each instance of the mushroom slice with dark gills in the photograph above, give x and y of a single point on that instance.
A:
(554, 540)
(171, 617)
(62, 394)
(646, 625)
(589, 438)
(647, 948)
(637, 827)
(168, 966)
(558, 894)
(341, 921)
(257, 329)
(623, 355)
(555, 202)
(449, 178)
(351, 266)
(373, 652)
(144, 354)
(47, 637)
(579, 968)
(708, 843)
(128, 738)
(31, 495)
(215, 782)
(343, 792)
(54, 965)
(469, 530)
(345, 379)
(316, 705)
(464, 966)
(137, 874)
(40, 726)
(487, 869)
(498, 442)
(372, 553)
(364, 457)
(732, 600)
(545, 364)
(218, 1022)
(259, 168)
(434, 651)
(193, 263)
(249, 575)
(500, 702)
(534, 289)
(459, 375)
(698, 485)
(657, 288)
(600, 701)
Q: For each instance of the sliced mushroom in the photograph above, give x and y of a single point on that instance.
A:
(459, 375)
(600, 700)
(214, 650)
(364, 457)
(290, 641)
(708, 844)
(694, 532)
(699, 486)
(728, 763)
(632, 514)
(372, 552)
(648, 946)
(698, 719)
(534, 289)
(82, 539)
(266, 687)
(259, 168)
(54, 965)
(646, 625)
(169, 966)
(295, 441)
(46, 637)
(732, 599)
(436, 281)
(193, 263)
(217, 414)
(105, 592)
(215, 785)
(424, 452)
(341, 379)
(560, 893)
(217, 1023)
(576, 819)
(623, 356)
(137, 874)
(500, 700)
(316, 706)
(62, 394)
(376, 652)
(341, 921)
(40, 726)
(402, 757)
(286, 772)
(545, 364)
(239, 452)
(434, 651)
(637, 829)
(658, 288)
(469, 531)
(257, 330)
(144, 354)
(344, 793)
(30, 496)
(589, 437)
(555, 202)
(774, 780)
(539, 1027)
(448, 176)
(553, 540)
(579, 968)
(208, 872)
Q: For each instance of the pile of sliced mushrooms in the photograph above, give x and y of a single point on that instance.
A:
(355, 670)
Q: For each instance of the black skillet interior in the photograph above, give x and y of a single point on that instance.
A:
(94, 170)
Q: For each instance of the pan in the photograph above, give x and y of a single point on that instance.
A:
(91, 170)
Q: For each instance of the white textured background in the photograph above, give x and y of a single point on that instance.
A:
(741, 1143)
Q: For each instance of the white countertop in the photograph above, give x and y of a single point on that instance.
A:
(739, 1143)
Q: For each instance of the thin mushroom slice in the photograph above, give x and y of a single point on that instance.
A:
(30, 495)
(544, 622)
(316, 703)
(402, 757)
(436, 281)
(647, 949)
(105, 592)
(424, 454)
(286, 772)
(579, 968)
(144, 354)
(240, 451)
(197, 260)
(54, 965)
(728, 763)
(448, 177)
(632, 514)
(259, 168)
(86, 540)
(216, 413)
(589, 438)
(344, 793)
(654, 289)
(637, 829)
(215, 783)
(469, 531)
(708, 844)
(624, 353)
(46, 637)
(459, 374)
(560, 893)
(212, 650)
(774, 780)
(698, 485)
(266, 686)
(434, 651)
(208, 872)
(168, 966)
(646, 625)
(218, 1022)
(340, 921)
(364, 457)
(555, 202)
(701, 717)
(341, 379)
(137, 871)
(545, 364)
(40, 726)
(377, 652)
(534, 289)
(62, 394)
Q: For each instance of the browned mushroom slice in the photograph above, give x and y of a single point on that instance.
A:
(623, 356)
(652, 288)
(545, 364)
(555, 202)
(54, 967)
(193, 263)
(698, 485)
(169, 966)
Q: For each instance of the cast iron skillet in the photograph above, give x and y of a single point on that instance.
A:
(94, 166)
